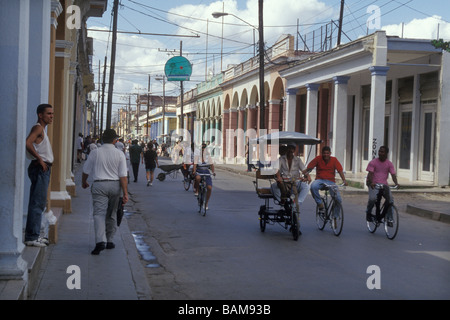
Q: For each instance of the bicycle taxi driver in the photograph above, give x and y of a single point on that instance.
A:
(202, 159)
(379, 169)
(290, 170)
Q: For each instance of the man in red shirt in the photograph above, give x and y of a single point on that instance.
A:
(325, 165)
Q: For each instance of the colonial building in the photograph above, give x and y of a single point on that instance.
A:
(377, 90)
(44, 58)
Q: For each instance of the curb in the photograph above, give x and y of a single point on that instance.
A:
(426, 213)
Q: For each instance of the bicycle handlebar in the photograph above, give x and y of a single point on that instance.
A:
(206, 174)
(380, 186)
(333, 186)
(200, 165)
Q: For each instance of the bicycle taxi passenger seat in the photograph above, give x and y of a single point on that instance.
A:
(263, 188)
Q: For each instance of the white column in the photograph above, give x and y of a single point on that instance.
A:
(311, 112)
(377, 109)
(442, 171)
(393, 125)
(290, 109)
(311, 108)
(357, 133)
(38, 68)
(340, 106)
(415, 129)
(14, 48)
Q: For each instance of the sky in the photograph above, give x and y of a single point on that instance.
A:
(189, 25)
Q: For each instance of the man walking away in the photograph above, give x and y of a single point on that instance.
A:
(136, 155)
(109, 170)
(40, 151)
(80, 147)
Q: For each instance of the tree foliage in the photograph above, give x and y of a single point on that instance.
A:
(445, 45)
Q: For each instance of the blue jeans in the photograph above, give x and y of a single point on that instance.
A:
(320, 183)
(302, 188)
(38, 200)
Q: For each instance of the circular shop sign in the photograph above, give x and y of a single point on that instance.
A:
(178, 69)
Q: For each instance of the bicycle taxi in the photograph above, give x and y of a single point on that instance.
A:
(287, 214)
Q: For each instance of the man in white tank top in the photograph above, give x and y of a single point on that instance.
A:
(39, 149)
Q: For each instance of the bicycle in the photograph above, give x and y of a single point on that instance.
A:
(188, 179)
(287, 215)
(380, 217)
(202, 193)
(202, 190)
(334, 213)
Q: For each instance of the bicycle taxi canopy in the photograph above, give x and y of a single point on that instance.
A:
(279, 138)
(285, 137)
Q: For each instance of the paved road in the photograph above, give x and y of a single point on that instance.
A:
(225, 256)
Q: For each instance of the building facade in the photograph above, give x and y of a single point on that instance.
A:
(375, 91)
(44, 58)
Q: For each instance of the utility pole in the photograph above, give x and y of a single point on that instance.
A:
(261, 66)
(113, 62)
(103, 99)
(181, 86)
(148, 107)
(97, 109)
(341, 17)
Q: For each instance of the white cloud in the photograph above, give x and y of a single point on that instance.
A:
(239, 37)
(426, 28)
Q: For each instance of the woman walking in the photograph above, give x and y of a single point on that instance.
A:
(151, 162)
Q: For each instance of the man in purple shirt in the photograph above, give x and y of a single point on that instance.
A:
(379, 169)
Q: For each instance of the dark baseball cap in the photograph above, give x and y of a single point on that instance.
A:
(110, 134)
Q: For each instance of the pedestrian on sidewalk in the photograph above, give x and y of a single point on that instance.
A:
(80, 147)
(136, 156)
(151, 162)
(40, 151)
(108, 167)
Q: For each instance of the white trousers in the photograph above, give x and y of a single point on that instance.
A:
(105, 197)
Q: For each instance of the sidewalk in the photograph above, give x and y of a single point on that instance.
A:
(114, 274)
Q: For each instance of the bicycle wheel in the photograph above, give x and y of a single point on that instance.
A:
(200, 198)
(337, 218)
(186, 183)
(321, 219)
(203, 205)
(391, 224)
(372, 225)
(295, 227)
(262, 218)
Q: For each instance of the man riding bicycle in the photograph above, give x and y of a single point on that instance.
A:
(290, 169)
(379, 169)
(325, 165)
(202, 159)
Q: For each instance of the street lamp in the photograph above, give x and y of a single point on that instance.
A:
(261, 57)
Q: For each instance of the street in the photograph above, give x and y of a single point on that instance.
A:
(224, 255)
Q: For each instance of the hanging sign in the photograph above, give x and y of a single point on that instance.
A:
(178, 69)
